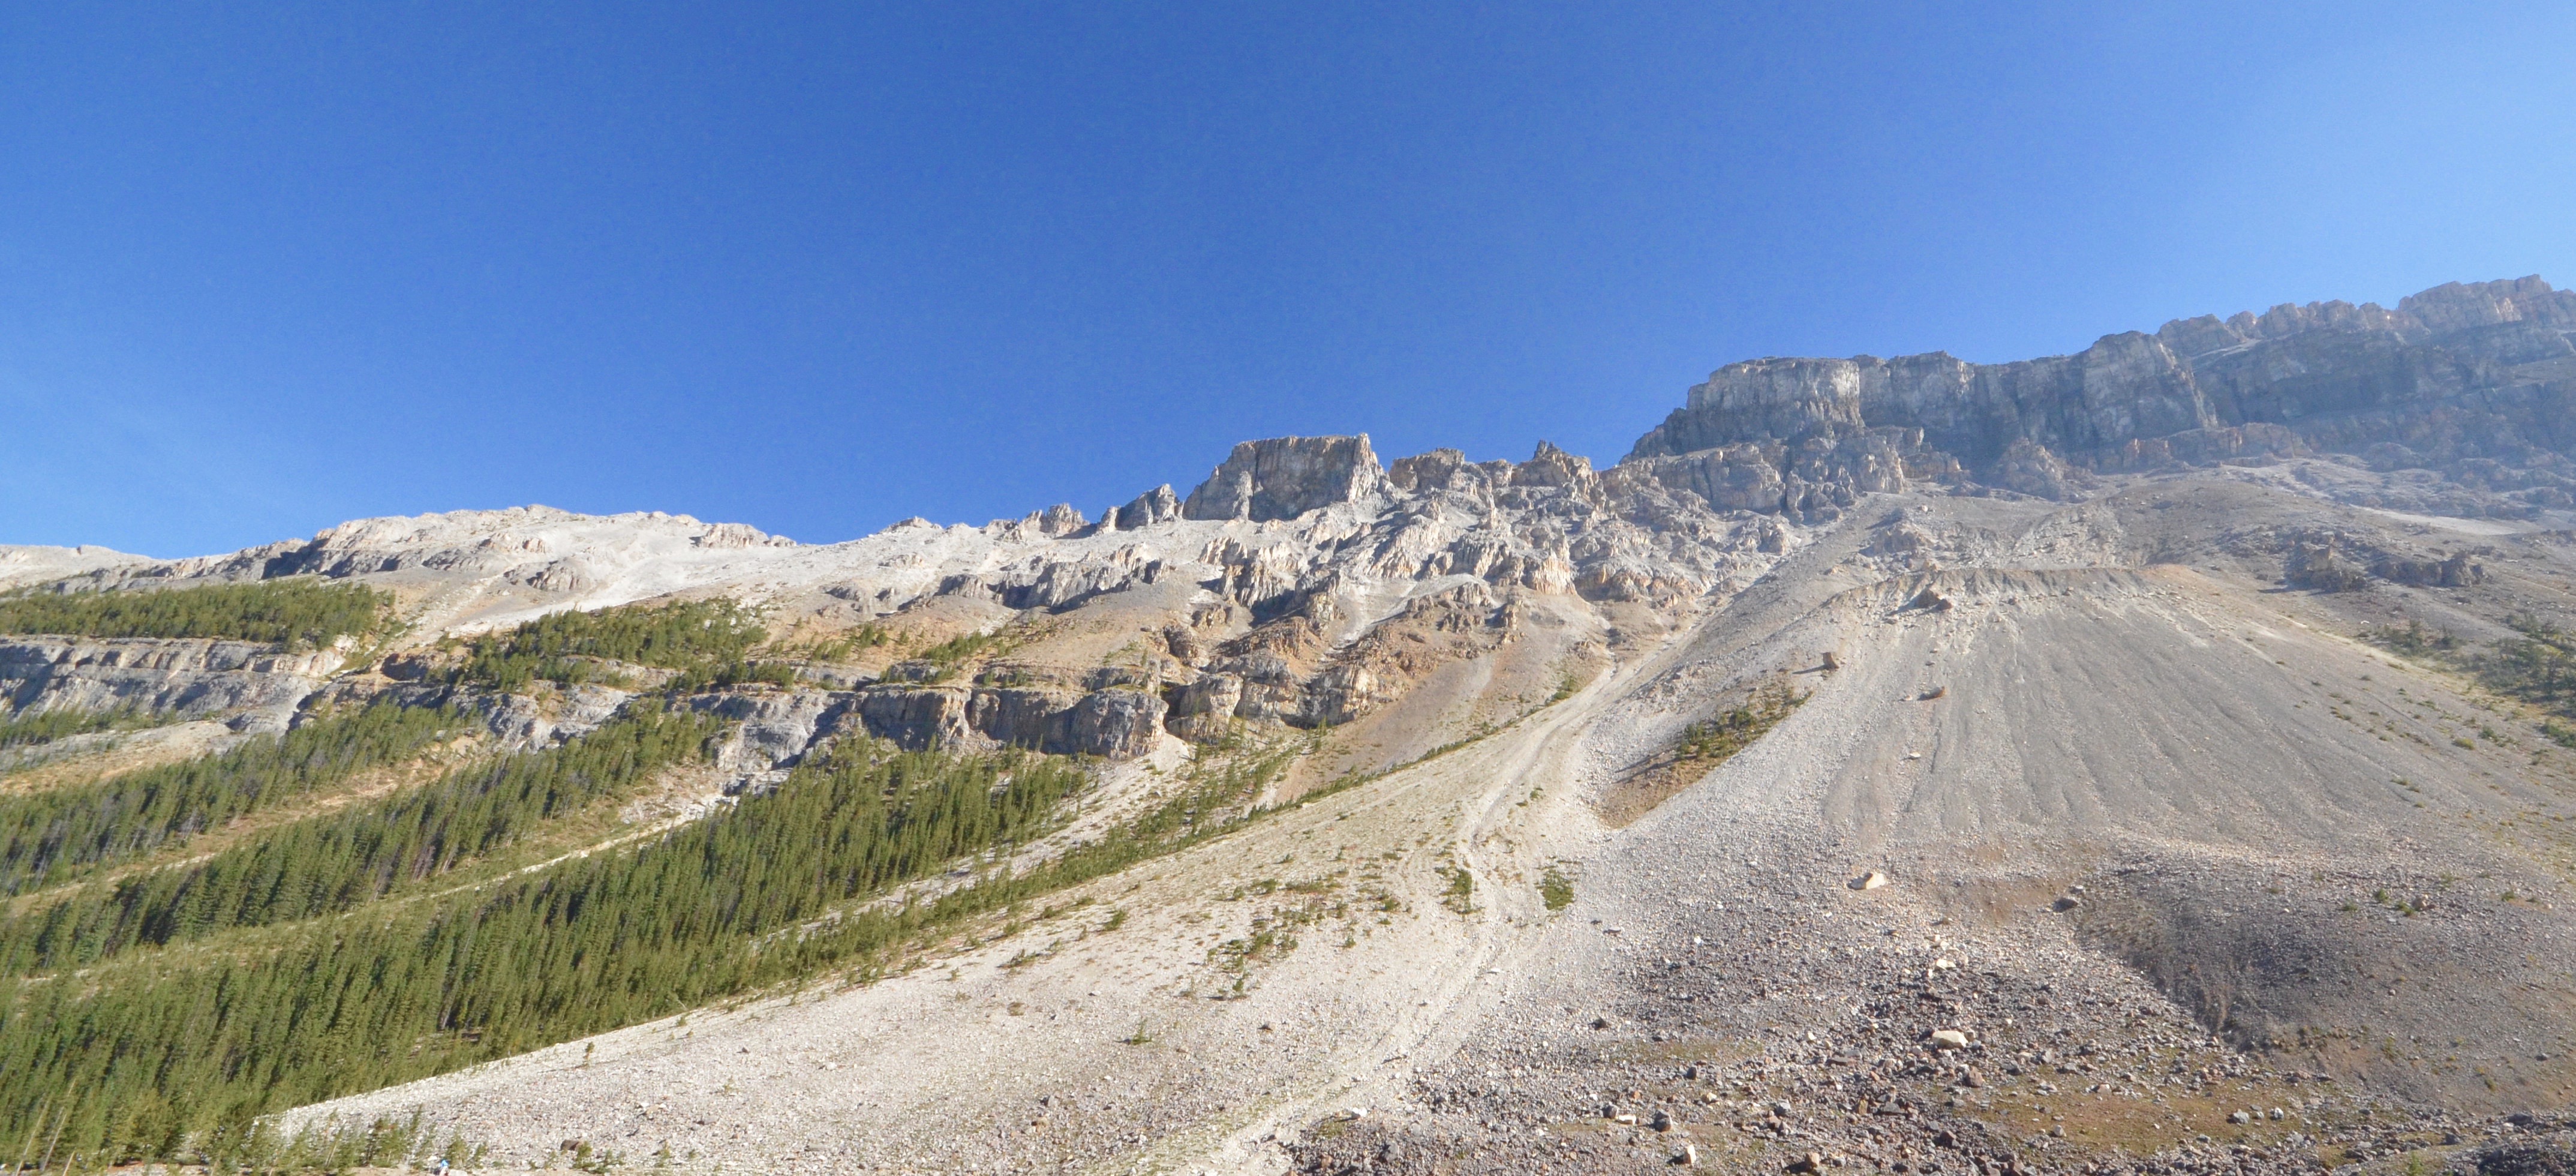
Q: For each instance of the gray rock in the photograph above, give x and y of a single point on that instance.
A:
(2456, 376)
(190, 677)
(1284, 477)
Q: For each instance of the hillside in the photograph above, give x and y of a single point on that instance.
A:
(2154, 759)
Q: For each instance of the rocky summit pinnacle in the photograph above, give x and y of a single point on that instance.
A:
(2153, 760)
(1284, 477)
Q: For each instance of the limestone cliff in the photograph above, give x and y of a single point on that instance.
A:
(2476, 381)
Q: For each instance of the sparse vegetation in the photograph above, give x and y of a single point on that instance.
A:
(1460, 895)
(2538, 667)
(21, 729)
(959, 648)
(2414, 640)
(1733, 730)
(295, 613)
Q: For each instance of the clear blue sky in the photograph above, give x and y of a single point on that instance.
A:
(267, 267)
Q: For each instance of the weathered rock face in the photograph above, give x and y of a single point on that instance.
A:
(918, 717)
(522, 722)
(2454, 374)
(189, 677)
(776, 726)
(1284, 477)
(1158, 505)
(1116, 723)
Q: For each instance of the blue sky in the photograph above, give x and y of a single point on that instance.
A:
(264, 268)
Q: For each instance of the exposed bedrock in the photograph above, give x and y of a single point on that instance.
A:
(190, 677)
(2476, 380)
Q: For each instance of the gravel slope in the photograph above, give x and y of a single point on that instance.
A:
(2211, 760)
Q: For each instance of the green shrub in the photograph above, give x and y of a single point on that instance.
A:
(1735, 729)
(1556, 890)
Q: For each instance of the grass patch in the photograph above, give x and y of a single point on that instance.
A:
(1460, 894)
(1555, 889)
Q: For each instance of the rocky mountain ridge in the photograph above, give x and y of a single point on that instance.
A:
(2476, 381)
(2092, 729)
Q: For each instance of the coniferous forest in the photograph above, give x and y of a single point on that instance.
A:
(217, 991)
(708, 641)
(376, 895)
(294, 613)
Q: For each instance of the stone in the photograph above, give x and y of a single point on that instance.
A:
(1871, 880)
(1948, 1039)
(2066, 902)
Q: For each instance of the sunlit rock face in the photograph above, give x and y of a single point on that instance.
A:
(2476, 382)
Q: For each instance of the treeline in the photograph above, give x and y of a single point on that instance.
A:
(22, 728)
(343, 860)
(297, 613)
(164, 1047)
(48, 837)
(708, 641)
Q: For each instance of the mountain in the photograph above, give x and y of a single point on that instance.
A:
(2158, 758)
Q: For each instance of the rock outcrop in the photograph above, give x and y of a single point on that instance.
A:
(192, 678)
(2455, 376)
